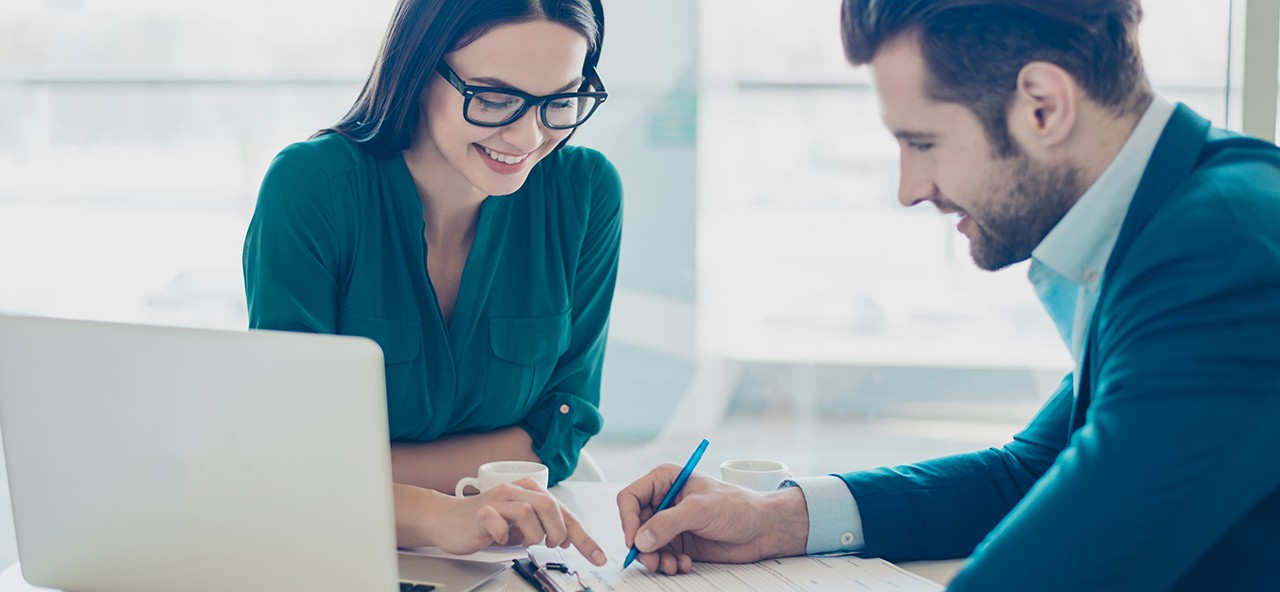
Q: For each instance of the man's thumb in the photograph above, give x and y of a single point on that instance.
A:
(658, 531)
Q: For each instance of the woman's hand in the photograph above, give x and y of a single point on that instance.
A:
(519, 513)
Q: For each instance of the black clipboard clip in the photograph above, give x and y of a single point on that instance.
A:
(539, 576)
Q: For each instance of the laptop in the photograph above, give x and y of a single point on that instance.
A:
(146, 458)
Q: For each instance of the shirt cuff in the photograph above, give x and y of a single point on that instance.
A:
(835, 526)
(559, 426)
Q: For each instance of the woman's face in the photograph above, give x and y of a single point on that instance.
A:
(536, 57)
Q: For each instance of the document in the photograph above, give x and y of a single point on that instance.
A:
(493, 554)
(790, 574)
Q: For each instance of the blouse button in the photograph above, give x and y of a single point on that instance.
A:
(564, 409)
(846, 539)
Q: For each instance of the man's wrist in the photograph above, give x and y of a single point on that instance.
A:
(835, 525)
(785, 523)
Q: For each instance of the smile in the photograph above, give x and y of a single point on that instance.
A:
(503, 158)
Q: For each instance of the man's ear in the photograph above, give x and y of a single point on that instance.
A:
(1044, 110)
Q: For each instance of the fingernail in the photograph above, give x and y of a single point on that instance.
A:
(645, 540)
(598, 557)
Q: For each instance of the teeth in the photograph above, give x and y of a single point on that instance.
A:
(504, 158)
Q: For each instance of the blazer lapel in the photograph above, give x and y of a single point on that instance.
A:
(1172, 161)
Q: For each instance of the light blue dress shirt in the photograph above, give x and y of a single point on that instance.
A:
(1066, 270)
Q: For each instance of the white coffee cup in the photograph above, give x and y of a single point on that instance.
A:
(496, 473)
(752, 473)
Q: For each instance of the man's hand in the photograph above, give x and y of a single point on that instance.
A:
(519, 513)
(710, 521)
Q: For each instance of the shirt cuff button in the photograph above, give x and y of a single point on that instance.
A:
(846, 539)
(564, 409)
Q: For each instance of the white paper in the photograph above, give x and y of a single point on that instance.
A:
(790, 574)
(494, 554)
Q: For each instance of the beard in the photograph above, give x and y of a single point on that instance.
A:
(1028, 202)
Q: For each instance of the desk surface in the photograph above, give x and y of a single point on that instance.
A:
(594, 504)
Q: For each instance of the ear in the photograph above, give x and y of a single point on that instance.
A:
(1044, 110)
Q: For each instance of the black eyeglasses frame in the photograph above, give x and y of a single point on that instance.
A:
(469, 92)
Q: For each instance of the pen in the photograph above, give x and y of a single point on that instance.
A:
(672, 493)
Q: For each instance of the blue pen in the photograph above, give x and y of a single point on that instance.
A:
(673, 492)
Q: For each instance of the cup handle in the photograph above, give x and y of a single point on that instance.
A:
(463, 484)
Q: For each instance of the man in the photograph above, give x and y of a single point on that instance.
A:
(1155, 247)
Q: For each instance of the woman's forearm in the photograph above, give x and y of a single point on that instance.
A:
(414, 508)
(440, 464)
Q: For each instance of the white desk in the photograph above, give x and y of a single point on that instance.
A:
(595, 505)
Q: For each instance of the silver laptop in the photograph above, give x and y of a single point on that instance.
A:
(157, 459)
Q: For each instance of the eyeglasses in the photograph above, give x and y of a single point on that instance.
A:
(495, 107)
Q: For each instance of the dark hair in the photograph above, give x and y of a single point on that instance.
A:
(974, 49)
(385, 115)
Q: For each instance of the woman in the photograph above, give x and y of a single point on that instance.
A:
(491, 311)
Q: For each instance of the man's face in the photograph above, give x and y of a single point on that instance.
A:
(1006, 205)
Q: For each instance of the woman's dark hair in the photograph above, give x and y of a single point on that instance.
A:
(974, 49)
(385, 115)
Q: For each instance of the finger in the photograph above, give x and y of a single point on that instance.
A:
(549, 515)
(493, 525)
(629, 538)
(670, 565)
(530, 484)
(630, 501)
(686, 564)
(521, 516)
(662, 527)
(547, 511)
(645, 493)
(650, 561)
(582, 541)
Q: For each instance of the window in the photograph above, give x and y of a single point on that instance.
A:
(835, 296)
(138, 135)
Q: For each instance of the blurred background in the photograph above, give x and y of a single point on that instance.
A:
(773, 296)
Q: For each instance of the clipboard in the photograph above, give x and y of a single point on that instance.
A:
(553, 570)
(548, 576)
(528, 572)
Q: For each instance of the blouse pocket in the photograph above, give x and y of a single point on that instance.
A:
(401, 343)
(527, 349)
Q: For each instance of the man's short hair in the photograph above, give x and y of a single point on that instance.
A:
(974, 49)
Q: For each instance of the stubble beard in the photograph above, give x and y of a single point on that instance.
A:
(1031, 202)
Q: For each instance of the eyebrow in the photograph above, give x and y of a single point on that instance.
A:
(910, 136)
(485, 80)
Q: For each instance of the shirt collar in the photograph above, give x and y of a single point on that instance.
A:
(1080, 244)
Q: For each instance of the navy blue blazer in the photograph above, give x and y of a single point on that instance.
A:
(1164, 472)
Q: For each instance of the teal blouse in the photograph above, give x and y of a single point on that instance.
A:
(336, 246)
